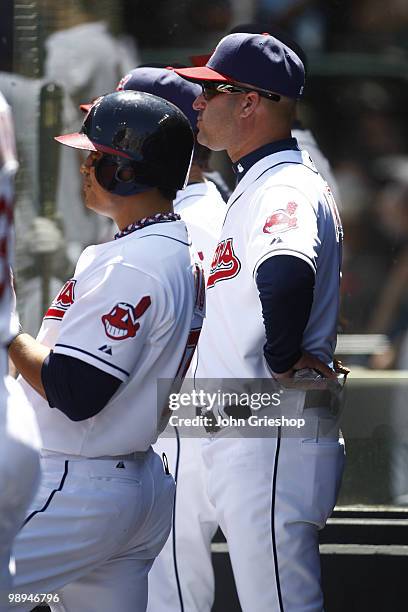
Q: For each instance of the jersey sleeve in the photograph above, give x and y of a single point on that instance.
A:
(284, 223)
(114, 315)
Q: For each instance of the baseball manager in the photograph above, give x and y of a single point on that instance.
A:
(272, 306)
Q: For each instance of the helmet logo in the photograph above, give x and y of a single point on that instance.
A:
(121, 322)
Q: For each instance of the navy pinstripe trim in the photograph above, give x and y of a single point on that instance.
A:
(47, 503)
(275, 552)
(189, 197)
(276, 252)
(74, 348)
(173, 535)
(169, 237)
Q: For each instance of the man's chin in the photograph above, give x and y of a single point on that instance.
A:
(201, 138)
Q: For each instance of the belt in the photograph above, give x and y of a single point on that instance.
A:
(210, 423)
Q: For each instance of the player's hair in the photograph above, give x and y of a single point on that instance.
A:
(168, 193)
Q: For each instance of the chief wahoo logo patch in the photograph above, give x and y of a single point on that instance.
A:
(121, 322)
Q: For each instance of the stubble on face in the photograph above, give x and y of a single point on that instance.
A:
(216, 122)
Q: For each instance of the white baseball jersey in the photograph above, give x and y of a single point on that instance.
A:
(128, 311)
(280, 207)
(284, 486)
(203, 210)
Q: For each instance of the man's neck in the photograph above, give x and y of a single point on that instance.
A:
(137, 207)
(196, 174)
(252, 143)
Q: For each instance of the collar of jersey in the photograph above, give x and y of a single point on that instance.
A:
(242, 166)
(146, 221)
(194, 189)
(264, 167)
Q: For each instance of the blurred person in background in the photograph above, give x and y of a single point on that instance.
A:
(304, 19)
(390, 317)
(19, 437)
(87, 60)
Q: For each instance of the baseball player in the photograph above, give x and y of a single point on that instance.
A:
(272, 305)
(202, 208)
(200, 204)
(130, 315)
(19, 438)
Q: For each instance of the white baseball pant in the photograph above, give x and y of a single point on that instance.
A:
(93, 532)
(270, 496)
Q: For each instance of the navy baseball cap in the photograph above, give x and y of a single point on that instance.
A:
(165, 83)
(259, 60)
(162, 82)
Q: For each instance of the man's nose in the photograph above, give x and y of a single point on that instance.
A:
(199, 102)
(87, 164)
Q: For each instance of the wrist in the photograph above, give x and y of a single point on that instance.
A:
(16, 335)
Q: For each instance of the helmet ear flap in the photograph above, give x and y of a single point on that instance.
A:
(125, 174)
(118, 176)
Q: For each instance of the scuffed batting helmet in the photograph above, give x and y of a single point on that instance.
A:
(146, 141)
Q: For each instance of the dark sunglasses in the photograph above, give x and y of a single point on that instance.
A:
(212, 89)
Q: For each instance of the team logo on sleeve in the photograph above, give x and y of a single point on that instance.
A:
(225, 263)
(282, 220)
(62, 302)
(121, 322)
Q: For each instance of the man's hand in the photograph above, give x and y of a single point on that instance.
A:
(308, 362)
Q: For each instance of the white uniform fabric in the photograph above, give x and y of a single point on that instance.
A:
(281, 206)
(121, 312)
(203, 209)
(131, 309)
(269, 495)
(19, 438)
(279, 490)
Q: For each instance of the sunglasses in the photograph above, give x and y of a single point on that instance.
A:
(210, 90)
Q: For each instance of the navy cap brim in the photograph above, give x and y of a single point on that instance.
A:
(202, 73)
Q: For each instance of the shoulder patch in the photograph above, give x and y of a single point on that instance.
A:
(282, 220)
(121, 322)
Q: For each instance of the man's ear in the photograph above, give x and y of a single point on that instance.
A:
(249, 104)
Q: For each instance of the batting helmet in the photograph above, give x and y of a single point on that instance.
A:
(146, 141)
